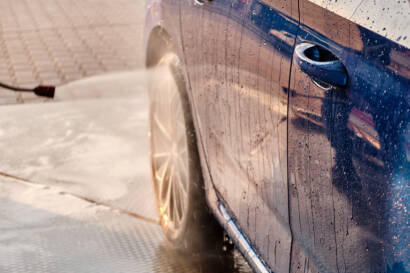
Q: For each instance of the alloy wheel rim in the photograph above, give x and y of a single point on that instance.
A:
(170, 153)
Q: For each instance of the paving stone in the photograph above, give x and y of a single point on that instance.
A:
(60, 41)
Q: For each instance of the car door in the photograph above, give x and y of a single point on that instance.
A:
(238, 56)
(349, 137)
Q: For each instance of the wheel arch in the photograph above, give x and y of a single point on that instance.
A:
(159, 43)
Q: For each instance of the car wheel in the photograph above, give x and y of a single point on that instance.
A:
(176, 171)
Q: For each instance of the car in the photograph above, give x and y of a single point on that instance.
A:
(284, 124)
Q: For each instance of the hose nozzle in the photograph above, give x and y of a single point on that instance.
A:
(45, 91)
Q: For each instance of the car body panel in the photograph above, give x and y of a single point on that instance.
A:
(238, 59)
(348, 170)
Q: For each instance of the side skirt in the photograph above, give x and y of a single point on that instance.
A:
(240, 241)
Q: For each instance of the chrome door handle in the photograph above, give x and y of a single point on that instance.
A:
(201, 2)
(321, 65)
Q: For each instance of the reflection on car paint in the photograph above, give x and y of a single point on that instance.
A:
(362, 125)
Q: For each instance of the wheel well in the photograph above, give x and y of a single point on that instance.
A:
(159, 43)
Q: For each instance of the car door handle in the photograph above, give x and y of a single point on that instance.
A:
(201, 2)
(321, 65)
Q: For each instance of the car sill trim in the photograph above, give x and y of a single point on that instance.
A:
(241, 242)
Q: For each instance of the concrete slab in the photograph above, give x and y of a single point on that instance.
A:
(92, 142)
(42, 230)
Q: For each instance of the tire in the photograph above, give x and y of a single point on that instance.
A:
(176, 171)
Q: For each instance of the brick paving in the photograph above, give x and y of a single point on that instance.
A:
(58, 41)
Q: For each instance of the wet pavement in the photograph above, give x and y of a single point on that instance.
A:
(46, 230)
(94, 147)
(75, 187)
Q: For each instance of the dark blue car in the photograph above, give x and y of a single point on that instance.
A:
(286, 123)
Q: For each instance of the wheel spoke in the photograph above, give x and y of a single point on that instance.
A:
(164, 183)
(169, 192)
(162, 155)
(167, 199)
(175, 201)
(164, 208)
(182, 184)
(161, 171)
(171, 188)
(162, 128)
(182, 166)
(180, 192)
(178, 209)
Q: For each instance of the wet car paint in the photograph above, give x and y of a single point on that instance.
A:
(325, 186)
(238, 58)
(348, 171)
